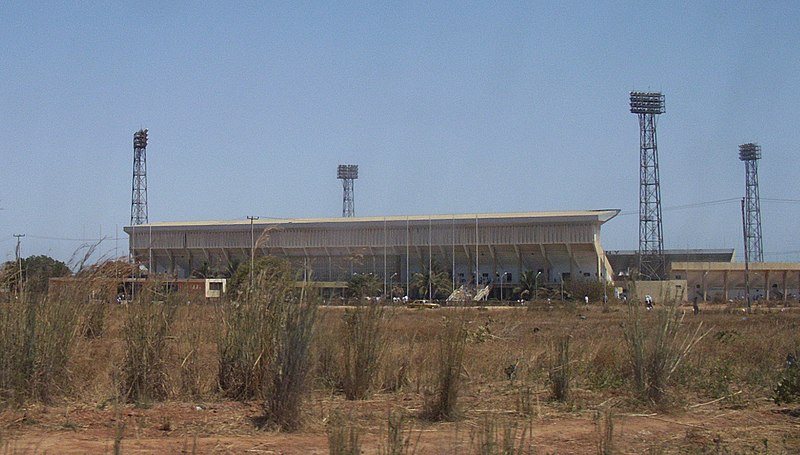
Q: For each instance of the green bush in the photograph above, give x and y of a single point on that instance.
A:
(788, 388)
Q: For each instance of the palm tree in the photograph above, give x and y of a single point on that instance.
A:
(528, 282)
(436, 280)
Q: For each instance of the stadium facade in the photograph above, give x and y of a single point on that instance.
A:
(495, 248)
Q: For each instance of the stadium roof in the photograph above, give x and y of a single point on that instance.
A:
(599, 216)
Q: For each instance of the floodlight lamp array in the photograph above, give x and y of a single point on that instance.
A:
(749, 152)
(647, 103)
(347, 171)
(140, 139)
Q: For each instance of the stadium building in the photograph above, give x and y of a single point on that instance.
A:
(489, 248)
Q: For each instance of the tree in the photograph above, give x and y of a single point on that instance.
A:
(36, 273)
(436, 279)
(527, 285)
(272, 267)
(363, 285)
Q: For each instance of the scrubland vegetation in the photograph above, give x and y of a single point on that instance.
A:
(393, 380)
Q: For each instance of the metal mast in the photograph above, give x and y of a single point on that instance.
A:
(753, 248)
(647, 105)
(347, 173)
(139, 191)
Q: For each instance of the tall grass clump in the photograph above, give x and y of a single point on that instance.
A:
(243, 344)
(37, 336)
(265, 341)
(289, 371)
(604, 423)
(343, 439)
(328, 368)
(250, 324)
(191, 369)
(657, 349)
(505, 438)
(398, 436)
(36, 339)
(364, 345)
(92, 285)
(442, 404)
(561, 370)
(143, 374)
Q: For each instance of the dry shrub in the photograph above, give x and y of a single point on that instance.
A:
(250, 327)
(395, 375)
(37, 336)
(604, 424)
(442, 404)
(192, 370)
(39, 333)
(243, 343)
(343, 438)
(327, 353)
(561, 370)
(656, 350)
(265, 342)
(364, 345)
(502, 438)
(291, 365)
(399, 435)
(143, 372)
(604, 370)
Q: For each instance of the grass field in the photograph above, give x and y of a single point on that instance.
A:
(705, 383)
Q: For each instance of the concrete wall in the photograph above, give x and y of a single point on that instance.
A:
(661, 291)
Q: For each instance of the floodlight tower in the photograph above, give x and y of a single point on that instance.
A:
(347, 173)
(753, 248)
(139, 191)
(647, 105)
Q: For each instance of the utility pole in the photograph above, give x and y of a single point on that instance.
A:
(19, 262)
(252, 249)
(746, 234)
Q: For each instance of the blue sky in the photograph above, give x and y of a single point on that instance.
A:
(446, 107)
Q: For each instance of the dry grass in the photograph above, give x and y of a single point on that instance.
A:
(735, 362)
(364, 345)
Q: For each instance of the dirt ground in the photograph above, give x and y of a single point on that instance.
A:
(743, 423)
(228, 427)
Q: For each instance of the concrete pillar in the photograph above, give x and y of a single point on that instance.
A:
(766, 285)
(785, 287)
(705, 290)
(725, 286)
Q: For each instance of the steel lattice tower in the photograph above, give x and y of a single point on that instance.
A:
(139, 191)
(347, 173)
(753, 248)
(647, 105)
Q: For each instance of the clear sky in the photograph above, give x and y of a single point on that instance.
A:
(462, 107)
